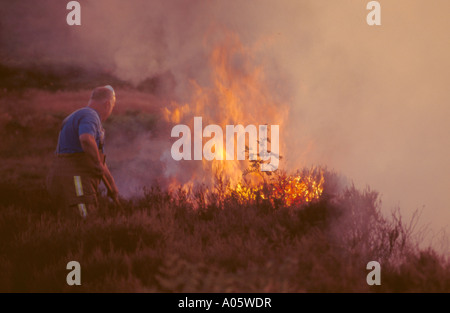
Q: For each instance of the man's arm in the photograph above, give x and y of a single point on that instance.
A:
(90, 148)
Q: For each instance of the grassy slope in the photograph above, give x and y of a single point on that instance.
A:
(159, 243)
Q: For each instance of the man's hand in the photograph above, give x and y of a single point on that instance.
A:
(90, 148)
(112, 190)
(110, 184)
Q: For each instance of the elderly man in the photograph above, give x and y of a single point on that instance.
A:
(79, 163)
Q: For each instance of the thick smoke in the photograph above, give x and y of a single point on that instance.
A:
(369, 102)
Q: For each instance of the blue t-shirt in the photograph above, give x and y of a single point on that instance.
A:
(83, 121)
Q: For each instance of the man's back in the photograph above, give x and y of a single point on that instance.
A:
(82, 121)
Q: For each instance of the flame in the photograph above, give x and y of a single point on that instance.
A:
(239, 93)
(286, 190)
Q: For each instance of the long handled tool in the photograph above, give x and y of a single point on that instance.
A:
(110, 191)
(108, 185)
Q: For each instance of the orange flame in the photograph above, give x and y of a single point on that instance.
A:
(240, 94)
(285, 190)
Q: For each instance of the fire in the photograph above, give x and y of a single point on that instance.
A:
(301, 188)
(285, 190)
(239, 93)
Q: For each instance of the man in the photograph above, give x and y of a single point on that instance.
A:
(79, 163)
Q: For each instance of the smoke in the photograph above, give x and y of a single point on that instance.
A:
(372, 102)
(368, 102)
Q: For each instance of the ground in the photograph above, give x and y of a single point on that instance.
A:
(176, 242)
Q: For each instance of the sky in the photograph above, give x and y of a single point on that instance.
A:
(370, 102)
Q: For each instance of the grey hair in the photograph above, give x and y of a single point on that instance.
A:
(103, 93)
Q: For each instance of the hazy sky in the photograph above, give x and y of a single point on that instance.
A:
(369, 102)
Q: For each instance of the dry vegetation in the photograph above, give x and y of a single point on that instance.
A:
(177, 241)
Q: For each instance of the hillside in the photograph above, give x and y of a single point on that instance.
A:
(189, 240)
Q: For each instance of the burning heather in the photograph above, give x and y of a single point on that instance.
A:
(283, 189)
(236, 93)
